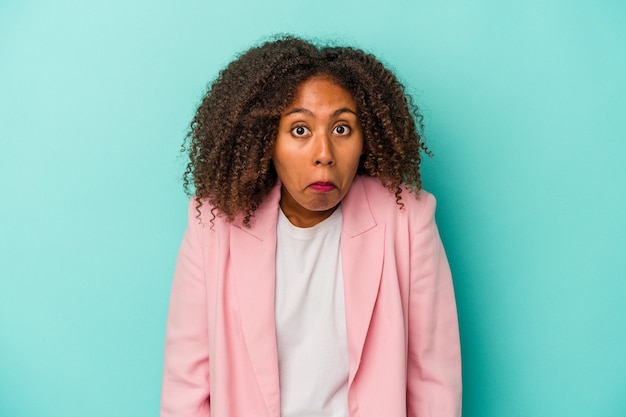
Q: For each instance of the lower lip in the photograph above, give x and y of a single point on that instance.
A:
(322, 188)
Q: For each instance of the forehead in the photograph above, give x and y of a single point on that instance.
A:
(321, 92)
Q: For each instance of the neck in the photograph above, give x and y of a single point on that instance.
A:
(305, 218)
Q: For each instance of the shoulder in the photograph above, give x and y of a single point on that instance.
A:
(200, 210)
(203, 217)
(207, 218)
(382, 202)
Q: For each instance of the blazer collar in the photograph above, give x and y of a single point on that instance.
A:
(359, 219)
(357, 214)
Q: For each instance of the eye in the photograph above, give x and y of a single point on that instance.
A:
(299, 131)
(341, 130)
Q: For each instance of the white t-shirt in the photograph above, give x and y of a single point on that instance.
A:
(311, 320)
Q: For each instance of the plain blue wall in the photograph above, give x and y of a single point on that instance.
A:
(525, 109)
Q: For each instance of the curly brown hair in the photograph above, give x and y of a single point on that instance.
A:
(232, 136)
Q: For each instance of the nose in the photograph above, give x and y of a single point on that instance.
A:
(323, 153)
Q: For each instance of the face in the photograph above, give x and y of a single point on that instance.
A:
(317, 151)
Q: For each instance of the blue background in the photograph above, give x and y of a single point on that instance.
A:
(525, 107)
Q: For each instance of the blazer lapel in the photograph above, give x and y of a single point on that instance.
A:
(253, 253)
(362, 245)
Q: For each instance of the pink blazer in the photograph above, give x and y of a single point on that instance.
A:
(403, 341)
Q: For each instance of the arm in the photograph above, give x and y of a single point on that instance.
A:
(185, 389)
(434, 358)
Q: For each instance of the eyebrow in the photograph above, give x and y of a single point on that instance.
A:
(309, 113)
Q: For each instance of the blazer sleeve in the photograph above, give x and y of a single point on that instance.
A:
(434, 357)
(185, 390)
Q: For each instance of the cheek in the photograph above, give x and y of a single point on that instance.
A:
(286, 168)
(355, 157)
(284, 150)
(279, 157)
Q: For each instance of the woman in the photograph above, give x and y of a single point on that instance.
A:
(311, 280)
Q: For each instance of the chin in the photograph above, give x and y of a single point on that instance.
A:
(323, 203)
